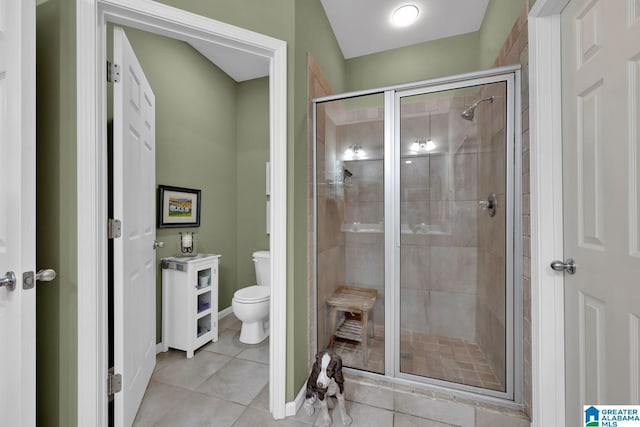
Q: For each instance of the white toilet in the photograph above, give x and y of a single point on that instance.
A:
(251, 304)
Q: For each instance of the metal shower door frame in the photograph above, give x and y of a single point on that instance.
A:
(392, 95)
(513, 232)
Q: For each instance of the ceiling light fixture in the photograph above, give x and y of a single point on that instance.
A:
(405, 15)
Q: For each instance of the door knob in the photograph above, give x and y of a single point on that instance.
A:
(569, 266)
(9, 280)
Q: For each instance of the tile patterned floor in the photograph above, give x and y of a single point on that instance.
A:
(225, 384)
(433, 356)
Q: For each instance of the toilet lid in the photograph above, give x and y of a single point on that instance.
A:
(261, 254)
(253, 294)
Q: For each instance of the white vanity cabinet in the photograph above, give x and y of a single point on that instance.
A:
(189, 302)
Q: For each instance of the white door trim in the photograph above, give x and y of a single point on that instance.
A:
(547, 286)
(91, 18)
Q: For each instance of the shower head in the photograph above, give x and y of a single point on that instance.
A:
(347, 173)
(470, 112)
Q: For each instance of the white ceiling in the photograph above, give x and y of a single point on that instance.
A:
(239, 65)
(364, 26)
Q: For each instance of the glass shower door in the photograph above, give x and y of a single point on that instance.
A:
(418, 238)
(454, 285)
(349, 204)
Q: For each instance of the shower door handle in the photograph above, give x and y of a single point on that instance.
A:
(490, 205)
(569, 266)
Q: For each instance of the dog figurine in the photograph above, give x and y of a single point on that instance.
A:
(326, 380)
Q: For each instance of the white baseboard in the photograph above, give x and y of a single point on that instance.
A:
(291, 408)
(160, 348)
(224, 313)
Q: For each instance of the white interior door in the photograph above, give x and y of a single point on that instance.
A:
(134, 255)
(601, 130)
(17, 211)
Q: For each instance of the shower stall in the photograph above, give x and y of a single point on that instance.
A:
(417, 232)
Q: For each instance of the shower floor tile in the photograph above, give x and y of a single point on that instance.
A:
(426, 355)
(351, 353)
(448, 359)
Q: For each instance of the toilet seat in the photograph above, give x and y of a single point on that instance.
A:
(252, 294)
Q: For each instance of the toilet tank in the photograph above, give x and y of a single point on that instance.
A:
(262, 263)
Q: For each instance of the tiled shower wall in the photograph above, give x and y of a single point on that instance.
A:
(438, 210)
(516, 51)
(491, 320)
(491, 275)
(364, 203)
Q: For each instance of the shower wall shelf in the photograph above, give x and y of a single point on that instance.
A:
(404, 156)
(363, 159)
(357, 227)
(426, 229)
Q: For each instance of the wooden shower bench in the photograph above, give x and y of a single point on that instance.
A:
(351, 299)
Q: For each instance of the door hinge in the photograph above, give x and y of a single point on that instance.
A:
(114, 228)
(114, 382)
(113, 72)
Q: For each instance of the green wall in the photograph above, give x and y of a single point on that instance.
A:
(48, 169)
(422, 61)
(303, 25)
(252, 148)
(274, 18)
(313, 35)
(195, 146)
(452, 55)
(496, 26)
(56, 301)
(277, 19)
(212, 134)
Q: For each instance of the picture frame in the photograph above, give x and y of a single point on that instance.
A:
(178, 207)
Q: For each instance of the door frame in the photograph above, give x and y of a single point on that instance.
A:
(547, 286)
(91, 19)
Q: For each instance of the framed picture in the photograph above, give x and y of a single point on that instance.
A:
(178, 207)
